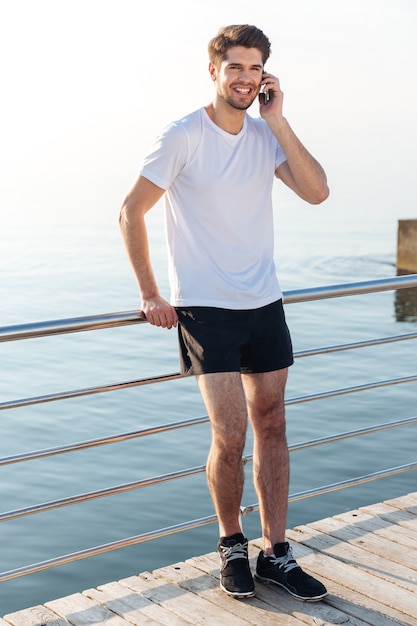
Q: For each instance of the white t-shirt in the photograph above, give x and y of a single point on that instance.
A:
(218, 204)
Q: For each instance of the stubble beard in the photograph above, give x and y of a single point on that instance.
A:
(235, 103)
(238, 106)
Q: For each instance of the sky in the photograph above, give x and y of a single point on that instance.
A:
(87, 84)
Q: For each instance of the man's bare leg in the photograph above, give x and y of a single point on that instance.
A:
(276, 563)
(265, 404)
(226, 405)
(224, 399)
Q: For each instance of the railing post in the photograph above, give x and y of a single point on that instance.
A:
(407, 246)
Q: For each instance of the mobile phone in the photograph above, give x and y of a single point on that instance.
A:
(264, 96)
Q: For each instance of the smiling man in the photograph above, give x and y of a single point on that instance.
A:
(215, 169)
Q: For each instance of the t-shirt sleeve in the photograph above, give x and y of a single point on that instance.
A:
(166, 157)
(279, 156)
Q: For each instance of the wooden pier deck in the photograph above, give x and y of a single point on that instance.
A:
(367, 558)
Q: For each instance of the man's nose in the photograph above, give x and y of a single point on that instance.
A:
(244, 75)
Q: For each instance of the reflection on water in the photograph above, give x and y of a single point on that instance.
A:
(406, 302)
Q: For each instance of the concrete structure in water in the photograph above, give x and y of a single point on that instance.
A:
(407, 246)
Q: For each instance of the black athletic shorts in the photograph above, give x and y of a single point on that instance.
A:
(225, 340)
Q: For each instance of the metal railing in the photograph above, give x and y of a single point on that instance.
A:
(90, 323)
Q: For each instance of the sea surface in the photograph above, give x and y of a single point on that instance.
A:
(69, 268)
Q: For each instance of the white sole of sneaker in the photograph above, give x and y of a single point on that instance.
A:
(270, 581)
(237, 595)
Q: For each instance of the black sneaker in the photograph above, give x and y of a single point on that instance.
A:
(282, 569)
(235, 575)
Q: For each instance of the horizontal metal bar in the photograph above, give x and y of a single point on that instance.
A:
(358, 432)
(350, 289)
(77, 393)
(343, 484)
(112, 320)
(185, 526)
(70, 325)
(353, 482)
(100, 493)
(91, 443)
(47, 506)
(352, 389)
(367, 343)
(108, 547)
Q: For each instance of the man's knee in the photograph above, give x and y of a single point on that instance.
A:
(229, 441)
(270, 424)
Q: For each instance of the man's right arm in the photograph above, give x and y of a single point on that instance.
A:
(142, 197)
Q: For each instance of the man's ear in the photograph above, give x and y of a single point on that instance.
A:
(212, 71)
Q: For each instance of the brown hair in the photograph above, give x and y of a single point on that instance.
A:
(238, 35)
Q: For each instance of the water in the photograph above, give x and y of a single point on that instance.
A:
(77, 268)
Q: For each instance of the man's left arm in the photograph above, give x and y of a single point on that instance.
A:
(300, 172)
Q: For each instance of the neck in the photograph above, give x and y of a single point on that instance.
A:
(226, 117)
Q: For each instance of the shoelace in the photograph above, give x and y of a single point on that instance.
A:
(286, 562)
(238, 551)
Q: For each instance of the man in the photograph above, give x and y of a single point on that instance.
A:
(216, 168)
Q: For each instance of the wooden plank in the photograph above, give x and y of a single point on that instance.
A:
(252, 610)
(369, 523)
(404, 558)
(349, 601)
(338, 577)
(283, 608)
(34, 616)
(351, 568)
(131, 606)
(196, 580)
(81, 611)
(363, 607)
(405, 503)
(307, 613)
(391, 514)
(189, 607)
(310, 613)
